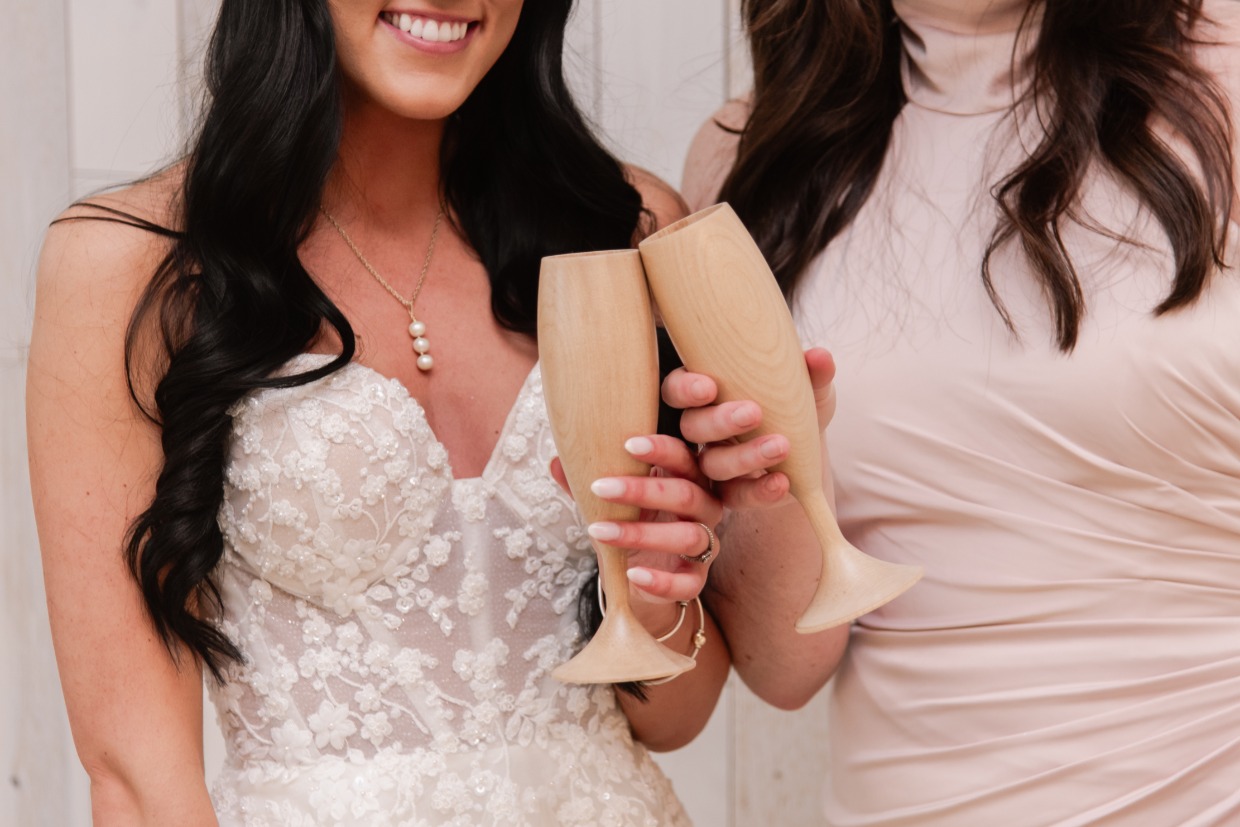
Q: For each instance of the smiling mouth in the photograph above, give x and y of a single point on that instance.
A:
(432, 31)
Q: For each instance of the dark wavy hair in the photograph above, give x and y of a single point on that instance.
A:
(232, 300)
(827, 89)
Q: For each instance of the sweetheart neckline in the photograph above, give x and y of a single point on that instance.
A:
(496, 449)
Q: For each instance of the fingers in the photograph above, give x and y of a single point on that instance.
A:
(661, 576)
(822, 377)
(717, 423)
(728, 461)
(674, 495)
(682, 389)
(662, 585)
(704, 422)
(761, 492)
(668, 453)
(682, 539)
(701, 421)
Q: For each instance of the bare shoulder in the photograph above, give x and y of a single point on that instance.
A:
(712, 153)
(1219, 54)
(658, 197)
(154, 200)
(1219, 38)
(97, 259)
(1226, 15)
(109, 244)
(112, 233)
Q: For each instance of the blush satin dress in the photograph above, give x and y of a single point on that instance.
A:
(1072, 655)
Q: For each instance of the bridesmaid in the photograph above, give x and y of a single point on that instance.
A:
(1014, 225)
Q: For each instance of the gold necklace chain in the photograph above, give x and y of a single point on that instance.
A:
(417, 329)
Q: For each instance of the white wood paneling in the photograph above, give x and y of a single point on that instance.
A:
(736, 52)
(123, 70)
(195, 20)
(35, 759)
(662, 72)
(581, 51)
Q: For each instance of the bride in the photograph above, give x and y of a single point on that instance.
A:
(287, 427)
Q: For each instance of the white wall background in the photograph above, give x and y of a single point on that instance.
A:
(94, 92)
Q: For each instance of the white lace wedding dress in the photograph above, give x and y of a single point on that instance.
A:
(400, 626)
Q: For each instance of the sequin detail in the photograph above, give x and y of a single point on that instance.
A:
(400, 625)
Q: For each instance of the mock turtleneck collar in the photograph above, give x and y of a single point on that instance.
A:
(958, 53)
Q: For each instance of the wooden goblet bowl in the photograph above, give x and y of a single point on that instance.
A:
(728, 319)
(600, 369)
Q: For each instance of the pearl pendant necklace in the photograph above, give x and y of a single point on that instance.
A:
(417, 329)
(421, 345)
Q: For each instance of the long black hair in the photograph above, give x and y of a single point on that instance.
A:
(232, 300)
(827, 90)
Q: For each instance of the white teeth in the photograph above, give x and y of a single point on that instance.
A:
(431, 31)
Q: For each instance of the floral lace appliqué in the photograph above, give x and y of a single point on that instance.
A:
(400, 626)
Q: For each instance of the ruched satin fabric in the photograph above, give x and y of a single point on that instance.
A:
(1072, 656)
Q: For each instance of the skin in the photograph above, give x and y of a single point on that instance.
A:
(136, 711)
(760, 586)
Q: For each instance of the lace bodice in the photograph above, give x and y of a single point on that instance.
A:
(400, 625)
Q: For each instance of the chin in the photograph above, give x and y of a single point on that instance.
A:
(426, 107)
(410, 98)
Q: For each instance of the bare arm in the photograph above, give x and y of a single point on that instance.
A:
(773, 563)
(136, 715)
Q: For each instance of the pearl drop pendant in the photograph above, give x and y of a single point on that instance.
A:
(421, 345)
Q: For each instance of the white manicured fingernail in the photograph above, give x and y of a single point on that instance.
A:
(640, 577)
(639, 446)
(607, 487)
(603, 531)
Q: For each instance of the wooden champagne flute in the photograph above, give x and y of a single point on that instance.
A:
(600, 370)
(728, 319)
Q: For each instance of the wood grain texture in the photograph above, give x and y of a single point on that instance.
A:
(728, 319)
(661, 73)
(600, 370)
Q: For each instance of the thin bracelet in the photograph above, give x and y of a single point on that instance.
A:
(699, 640)
(680, 619)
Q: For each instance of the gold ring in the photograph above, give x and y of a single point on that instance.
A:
(712, 544)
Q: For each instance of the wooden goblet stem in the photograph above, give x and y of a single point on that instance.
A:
(728, 319)
(600, 369)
